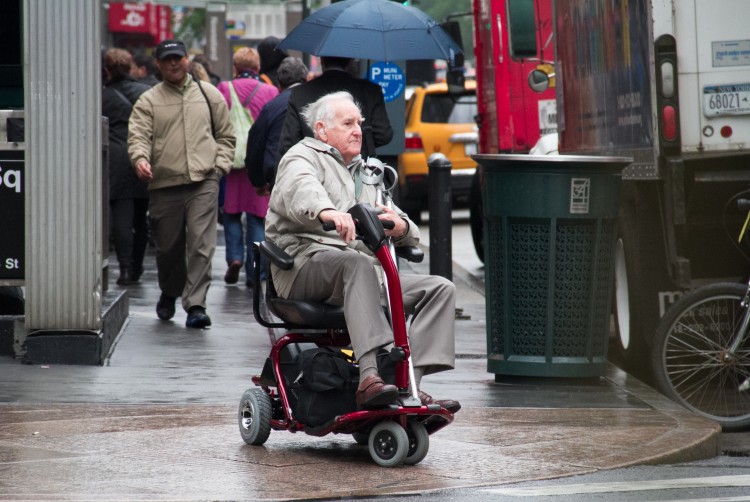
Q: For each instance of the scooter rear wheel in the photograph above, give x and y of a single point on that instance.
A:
(254, 416)
(388, 444)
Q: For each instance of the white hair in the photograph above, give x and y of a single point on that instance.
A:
(323, 109)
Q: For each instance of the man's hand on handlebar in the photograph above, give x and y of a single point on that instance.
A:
(399, 225)
(343, 222)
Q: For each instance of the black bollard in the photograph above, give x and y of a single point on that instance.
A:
(440, 206)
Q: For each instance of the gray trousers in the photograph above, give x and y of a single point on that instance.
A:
(349, 279)
(183, 227)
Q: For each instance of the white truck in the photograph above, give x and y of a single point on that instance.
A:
(666, 82)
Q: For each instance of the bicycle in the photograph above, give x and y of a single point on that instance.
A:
(701, 352)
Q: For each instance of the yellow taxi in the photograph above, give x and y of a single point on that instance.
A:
(437, 121)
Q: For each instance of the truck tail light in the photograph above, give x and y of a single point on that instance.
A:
(667, 81)
(669, 123)
(726, 131)
(667, 95)
(413, 143)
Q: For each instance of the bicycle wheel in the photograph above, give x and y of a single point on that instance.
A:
(691, 361)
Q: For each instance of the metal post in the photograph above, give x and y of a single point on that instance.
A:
(441, 220)
(305, 15)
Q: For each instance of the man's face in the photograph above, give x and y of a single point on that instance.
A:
(173, 68)
(345, 133)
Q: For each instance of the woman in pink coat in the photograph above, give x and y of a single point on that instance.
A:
(240, 196)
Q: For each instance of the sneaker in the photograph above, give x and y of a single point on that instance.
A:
(233, 272)
(165, 307)
(197, 318)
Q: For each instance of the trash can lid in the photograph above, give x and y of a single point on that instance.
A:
(567, 163)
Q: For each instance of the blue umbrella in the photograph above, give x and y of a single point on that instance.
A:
(379, 30)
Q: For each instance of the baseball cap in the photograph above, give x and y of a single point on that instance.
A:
(170, 48)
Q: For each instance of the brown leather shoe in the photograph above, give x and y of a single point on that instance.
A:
(449, 404)
(373, 391)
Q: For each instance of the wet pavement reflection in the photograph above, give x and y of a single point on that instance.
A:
(158, 421)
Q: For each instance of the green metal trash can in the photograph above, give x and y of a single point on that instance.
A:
(550, 224)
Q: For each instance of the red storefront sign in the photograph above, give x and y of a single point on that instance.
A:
(145, 18)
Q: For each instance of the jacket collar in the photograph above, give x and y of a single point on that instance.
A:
(319, 146)
(183, 86)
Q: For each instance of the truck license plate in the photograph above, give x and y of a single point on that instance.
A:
(726, 100)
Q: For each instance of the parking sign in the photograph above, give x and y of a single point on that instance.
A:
(390, 77)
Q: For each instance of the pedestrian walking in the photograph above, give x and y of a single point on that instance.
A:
(181, 141)
(240, 198)
(198, 72)
(337, 76)
(144, 70)
(263, 140)
(270, 59)
(128, 196)
(204, 60)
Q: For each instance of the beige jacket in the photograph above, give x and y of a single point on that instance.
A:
(312, 177)
(170, 127)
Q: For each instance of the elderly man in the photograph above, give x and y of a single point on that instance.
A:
(315, 184)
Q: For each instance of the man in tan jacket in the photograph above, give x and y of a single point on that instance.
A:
(315, 184)
(180, 140)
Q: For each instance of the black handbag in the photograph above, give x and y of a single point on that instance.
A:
(326, 385)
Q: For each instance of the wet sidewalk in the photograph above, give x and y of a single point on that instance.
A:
(158, 421)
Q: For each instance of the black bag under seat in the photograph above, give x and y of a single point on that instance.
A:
(326, 386)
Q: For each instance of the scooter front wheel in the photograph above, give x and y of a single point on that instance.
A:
(419, 442)
(388, 444)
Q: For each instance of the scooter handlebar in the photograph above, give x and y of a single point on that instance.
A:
(368, 226)
(387, 224)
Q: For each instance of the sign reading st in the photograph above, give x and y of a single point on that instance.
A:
(12, 244)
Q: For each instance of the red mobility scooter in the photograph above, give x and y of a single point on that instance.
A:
(286, 397)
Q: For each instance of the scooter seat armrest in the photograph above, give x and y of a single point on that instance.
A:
(410, 253)
(276, 255)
